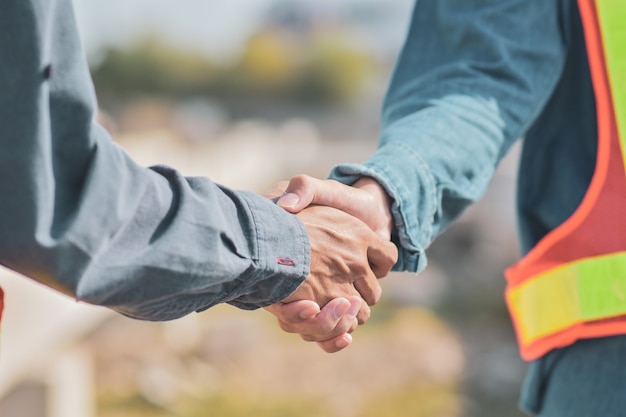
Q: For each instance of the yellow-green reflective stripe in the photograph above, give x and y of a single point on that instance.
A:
(612, 19)
(585, 290)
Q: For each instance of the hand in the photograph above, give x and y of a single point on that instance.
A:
(347, 258)
(328, 326)
(331, 326)
(366, 199)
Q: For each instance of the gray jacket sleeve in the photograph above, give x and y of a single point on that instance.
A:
(77, 214)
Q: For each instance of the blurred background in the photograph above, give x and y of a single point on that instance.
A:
(251, 92)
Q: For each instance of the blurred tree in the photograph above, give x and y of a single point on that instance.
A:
(268, 59)
(151, 67)
(274, 67)
(340, 64)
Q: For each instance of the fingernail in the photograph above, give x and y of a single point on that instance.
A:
(288, 200)
(341, 309)
(354, 309)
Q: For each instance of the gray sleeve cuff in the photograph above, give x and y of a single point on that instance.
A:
(281, 254)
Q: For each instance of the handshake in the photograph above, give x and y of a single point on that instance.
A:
(349, 230)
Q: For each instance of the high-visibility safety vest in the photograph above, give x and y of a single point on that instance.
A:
(572, 284)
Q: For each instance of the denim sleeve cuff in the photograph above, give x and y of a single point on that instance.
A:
(413, 212)
(281, 256)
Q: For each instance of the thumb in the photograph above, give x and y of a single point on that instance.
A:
(276, 191)
(300, 193)
(294, 311)
(304, 190)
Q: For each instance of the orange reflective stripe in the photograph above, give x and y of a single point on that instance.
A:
(542, 256)
(570, 286)
(600, 328)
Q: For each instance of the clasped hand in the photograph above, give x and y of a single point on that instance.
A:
(349, 231)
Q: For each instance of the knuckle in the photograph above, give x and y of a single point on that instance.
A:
(363, 315)
(360, 268)
(392, 254)
(300, 180)
(369, 299)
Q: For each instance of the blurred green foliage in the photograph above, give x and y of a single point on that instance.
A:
(225, 405)
(274, 66)
(151, 67)
(422, 400)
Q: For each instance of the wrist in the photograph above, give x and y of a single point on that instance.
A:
(382, 202)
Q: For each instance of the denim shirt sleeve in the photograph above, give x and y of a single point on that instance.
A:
(77, 214)
(471, 78)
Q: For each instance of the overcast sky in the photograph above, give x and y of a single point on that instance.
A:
(214, 26)
(217, 27)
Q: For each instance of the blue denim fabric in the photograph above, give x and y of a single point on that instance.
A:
(472, 78)
(475, 75)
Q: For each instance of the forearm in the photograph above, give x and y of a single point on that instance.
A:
(471, 79)
(79, 215)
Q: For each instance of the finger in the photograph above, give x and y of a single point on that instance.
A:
(368, 287)
(344, 340)
(299, 193)
(382, 257)
(363, 314)
(338, 316)
(277, 190)
(356, 306)
(336, 344)
(366, 200)
(294, 312)
(304, 190)
(328, 327)
(345, 325)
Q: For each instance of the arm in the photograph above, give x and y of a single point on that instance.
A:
(472, 77)
(366, 200)
(80, 216)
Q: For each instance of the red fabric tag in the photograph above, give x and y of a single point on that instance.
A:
(285, 262)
